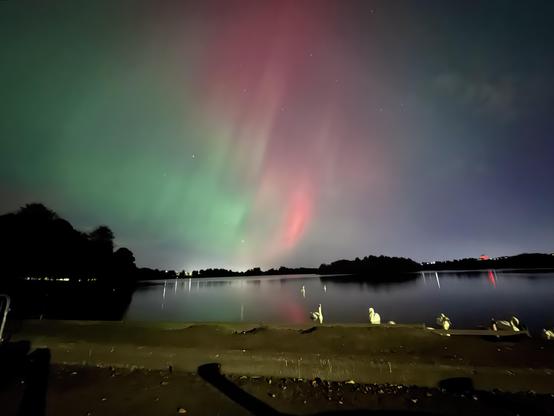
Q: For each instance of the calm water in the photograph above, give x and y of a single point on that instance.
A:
(468, 298)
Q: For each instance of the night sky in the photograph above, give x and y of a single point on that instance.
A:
(240, 134)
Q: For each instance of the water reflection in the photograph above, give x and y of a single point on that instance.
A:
(492, 278)
(434, 275)
(469, 298)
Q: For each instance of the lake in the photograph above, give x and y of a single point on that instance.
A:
(469, 298)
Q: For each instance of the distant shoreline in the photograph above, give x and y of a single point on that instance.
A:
(368, 274)
(511, 270)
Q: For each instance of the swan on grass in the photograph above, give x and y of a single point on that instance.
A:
(444, 321)
(511, 325)
(374, 317)
(317, 315)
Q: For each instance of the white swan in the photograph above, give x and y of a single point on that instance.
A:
(374, 317)
(548, 334)
(325, 288)
(318, 315)
(444, 321)
(303, 291)
(511, 325)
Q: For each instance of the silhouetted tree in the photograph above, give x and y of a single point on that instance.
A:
(103, 237)
(36, 242)
(36, 213)
(371, 264)
(124, 259)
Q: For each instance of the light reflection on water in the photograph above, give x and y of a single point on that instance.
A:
(468, 298)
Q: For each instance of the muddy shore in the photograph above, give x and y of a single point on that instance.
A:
(91, 391)
(378, 354)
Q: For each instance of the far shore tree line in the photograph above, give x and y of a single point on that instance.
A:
(36, 243)
(370, 266)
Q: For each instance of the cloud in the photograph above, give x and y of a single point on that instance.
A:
(495, 97)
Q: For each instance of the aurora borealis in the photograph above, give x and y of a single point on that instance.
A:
(266, 133)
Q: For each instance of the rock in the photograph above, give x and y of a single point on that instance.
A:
(164, 383)
(271, 395)
(414, 401)
(428, 394)
(181, 410)
(269, 381)
(104, 399)
(340, 402)
(316, 381)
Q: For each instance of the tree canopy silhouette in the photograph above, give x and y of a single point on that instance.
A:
(36, 242)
